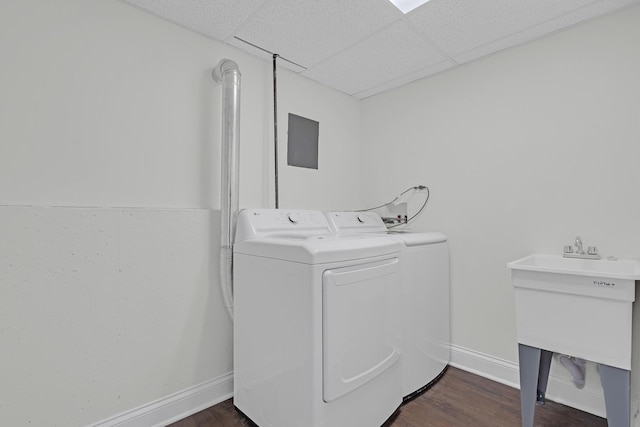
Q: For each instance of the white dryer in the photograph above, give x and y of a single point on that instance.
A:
(425, 348)
(316, 331)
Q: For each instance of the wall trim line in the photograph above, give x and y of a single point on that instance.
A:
(176, 406)
(560, 390)
(182, 404)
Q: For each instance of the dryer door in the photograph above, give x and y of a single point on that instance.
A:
(360, 324)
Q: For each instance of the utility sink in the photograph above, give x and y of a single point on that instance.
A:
(578, 307)
(612, 269)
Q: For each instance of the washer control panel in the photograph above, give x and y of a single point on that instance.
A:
(295, 217)
(253, 223)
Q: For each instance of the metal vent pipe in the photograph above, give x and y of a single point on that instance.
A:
(227, 72)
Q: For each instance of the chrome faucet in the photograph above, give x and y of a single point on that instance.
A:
(579, 245)
(592, 251)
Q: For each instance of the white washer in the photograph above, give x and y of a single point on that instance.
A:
(316, 330)
(425, 348)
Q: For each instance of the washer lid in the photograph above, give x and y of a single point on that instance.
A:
(349, 223)
(319, 249)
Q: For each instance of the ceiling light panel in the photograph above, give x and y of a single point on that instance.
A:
(407, 6)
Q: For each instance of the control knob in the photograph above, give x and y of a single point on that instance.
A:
(294, 218)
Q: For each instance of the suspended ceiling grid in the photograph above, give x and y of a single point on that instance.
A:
(364, 47)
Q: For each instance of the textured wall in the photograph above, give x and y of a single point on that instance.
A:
(102, 310)
(109, 177)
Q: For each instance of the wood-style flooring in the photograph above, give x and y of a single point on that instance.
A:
(459, 399)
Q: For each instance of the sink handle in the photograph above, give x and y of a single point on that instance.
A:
(592, 250)
(568, 249)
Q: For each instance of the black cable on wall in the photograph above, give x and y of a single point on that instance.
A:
(275, 127)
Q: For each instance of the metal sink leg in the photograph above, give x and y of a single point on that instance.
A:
(617, 394)
(534, 375)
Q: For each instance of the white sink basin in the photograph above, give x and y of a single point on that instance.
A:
(578, 307)
(619, 269)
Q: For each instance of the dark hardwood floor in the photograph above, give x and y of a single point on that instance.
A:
(459, 399)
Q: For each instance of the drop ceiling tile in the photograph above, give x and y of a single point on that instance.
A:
(401, 81)
(363, 47)
(254, 51)
(214, 18)
(458, 26)
(306, 32)
(389, 54)
(535, 32)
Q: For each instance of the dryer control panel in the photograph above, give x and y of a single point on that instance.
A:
(356, 222)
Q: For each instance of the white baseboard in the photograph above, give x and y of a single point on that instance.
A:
(175, 406)
(193, 399)
(590, 399)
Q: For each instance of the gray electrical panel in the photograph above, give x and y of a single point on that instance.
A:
(302, 146)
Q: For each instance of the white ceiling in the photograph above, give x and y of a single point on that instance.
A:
(364, 47)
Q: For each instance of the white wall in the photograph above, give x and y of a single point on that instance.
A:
(109, 176)
(523, 151)
(338, 148)
(109, 160)
(103, 105)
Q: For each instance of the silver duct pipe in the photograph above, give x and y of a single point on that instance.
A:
(228, 73)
